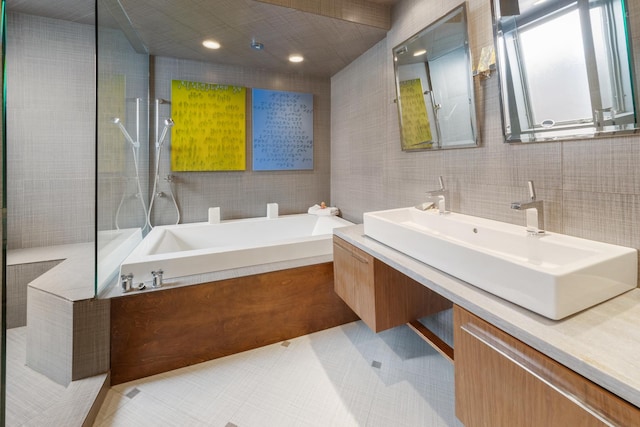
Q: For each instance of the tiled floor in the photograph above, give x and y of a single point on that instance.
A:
(33, 400)
(23, 403)
(344, 376)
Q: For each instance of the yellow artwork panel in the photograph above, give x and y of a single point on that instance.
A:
(210, 127)
(416, 130)
(112, 145)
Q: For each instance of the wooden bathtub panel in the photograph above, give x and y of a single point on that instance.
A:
(159, 331)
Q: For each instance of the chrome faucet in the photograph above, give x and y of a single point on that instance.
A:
(441, 198)
(126, 282)
(534, 210)
(157, 278)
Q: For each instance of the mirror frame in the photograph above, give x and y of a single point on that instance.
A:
(461, 9)
(497, 6)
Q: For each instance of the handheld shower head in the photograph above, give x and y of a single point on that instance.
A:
(168, 123)
(116, 121)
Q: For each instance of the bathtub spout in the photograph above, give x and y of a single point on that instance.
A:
(157, 278)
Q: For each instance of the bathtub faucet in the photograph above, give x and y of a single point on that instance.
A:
(126, 282)
(157, 278)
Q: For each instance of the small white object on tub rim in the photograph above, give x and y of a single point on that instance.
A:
(326, 211)
(214, 215)
(272, 210)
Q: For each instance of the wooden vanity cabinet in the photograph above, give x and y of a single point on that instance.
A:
(380, 295)
(500, 381)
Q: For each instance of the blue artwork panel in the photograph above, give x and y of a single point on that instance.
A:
(282, 130)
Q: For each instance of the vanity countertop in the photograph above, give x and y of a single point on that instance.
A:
(601, 343)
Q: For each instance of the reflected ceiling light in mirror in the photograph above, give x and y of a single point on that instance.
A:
(296, 58)
(419, 52)
(211, 44)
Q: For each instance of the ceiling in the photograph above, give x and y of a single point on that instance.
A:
(330, 34)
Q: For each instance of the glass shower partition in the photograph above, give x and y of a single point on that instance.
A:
(3, 223)
(122, 127)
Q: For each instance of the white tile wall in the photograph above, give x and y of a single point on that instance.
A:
(50, 131)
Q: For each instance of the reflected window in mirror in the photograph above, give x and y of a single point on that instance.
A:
(434, 86)
(565, 69)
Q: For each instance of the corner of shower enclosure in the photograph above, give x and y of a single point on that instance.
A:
(122, 141)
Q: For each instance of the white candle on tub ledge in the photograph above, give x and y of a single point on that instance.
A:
(214, 215)
(272, 210)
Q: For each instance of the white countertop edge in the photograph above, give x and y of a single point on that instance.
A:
(621, 379)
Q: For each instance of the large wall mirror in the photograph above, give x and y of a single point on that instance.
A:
(565, 68)
(434, 86)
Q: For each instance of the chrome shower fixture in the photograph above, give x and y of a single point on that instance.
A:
(168, 123)
(116, 121)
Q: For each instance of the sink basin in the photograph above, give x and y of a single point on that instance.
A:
(554, 275)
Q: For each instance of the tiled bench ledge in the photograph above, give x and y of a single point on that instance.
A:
(72, 279)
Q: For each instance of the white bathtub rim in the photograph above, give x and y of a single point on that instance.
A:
(149, 245)
(201, 261)
(193, 264)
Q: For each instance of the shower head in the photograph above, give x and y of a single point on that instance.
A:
(116, 121)
(167, 124)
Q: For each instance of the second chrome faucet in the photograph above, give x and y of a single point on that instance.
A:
(439, 198)
(534, 210)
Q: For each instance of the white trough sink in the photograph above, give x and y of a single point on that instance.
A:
(554, 275)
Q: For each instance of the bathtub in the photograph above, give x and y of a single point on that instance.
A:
(199, 248)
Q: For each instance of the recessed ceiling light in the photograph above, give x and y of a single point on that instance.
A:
(419, 52)
(296, 58)
(211, 44)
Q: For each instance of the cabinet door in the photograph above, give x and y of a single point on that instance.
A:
(354, 280)
(501, 381)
